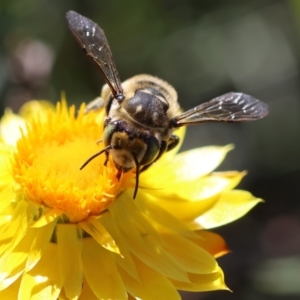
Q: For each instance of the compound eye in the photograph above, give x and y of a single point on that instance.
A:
(152, 152)
(108, 133)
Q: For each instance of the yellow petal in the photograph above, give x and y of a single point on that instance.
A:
(47, 217)
(6, 153)
(36, 109)
(131, 297)
(10, 125)
(62, 295)
(134, 224)
(12, 291)
(25, 255)
(157, 258)
(40, 239)
(187, 200)
(95, 229)
(7, 196)
(12, 262)
(194, 259)
(203, 282)
(186, 166)
(43, 281)
(143, 240)
(231, 206)
(211, 242)
(69, 242)
(87, 293)
(153, 285)
(161, 216)
(100, 271)
(16, 228)
(125, 261)
(233, 177)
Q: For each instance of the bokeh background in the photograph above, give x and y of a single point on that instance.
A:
(204, 49)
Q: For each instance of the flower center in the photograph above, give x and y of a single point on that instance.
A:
(48, 160)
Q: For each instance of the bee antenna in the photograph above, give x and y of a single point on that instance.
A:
(137, 175)
(94, 156)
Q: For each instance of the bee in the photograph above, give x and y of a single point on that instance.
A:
(142, 112)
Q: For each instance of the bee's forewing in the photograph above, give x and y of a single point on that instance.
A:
(93, 41)
(231, 107)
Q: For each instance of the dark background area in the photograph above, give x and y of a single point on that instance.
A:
(204, 49)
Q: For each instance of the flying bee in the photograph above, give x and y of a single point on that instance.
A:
(143, 112)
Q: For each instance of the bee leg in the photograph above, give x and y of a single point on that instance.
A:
(106, 160)
(119, 174)
(173, 142)
(162, 150)
(109, 103)
(137, 175)
(94, 105)
(106, 121)
(144, 168)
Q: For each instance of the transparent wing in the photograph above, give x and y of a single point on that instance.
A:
(93, 41)
(231, 107)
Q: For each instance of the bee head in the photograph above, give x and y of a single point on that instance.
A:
(128, 147)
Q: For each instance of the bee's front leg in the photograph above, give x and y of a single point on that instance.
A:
(172, 142)
(94, 105)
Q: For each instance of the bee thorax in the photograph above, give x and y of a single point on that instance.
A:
(148, 107)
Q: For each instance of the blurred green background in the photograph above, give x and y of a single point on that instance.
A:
(204, 49)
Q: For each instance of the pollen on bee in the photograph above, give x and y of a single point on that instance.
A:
(139, 108)
(155, 116)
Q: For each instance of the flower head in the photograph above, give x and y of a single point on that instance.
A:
(72, 234)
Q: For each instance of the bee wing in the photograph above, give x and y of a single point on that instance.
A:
(231, 107)
(93, 41)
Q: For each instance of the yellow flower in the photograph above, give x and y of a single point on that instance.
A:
(71, 234)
